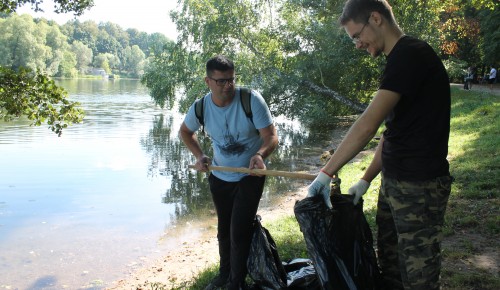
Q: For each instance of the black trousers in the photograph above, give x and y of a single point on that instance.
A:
(236, 204)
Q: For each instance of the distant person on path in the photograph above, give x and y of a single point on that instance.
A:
(414, 100)
(493, 77)
(468, 79)
(237, 141)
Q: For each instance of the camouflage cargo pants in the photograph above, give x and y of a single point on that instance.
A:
(410, 217)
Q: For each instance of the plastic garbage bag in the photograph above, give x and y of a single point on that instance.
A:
(339, 242)
(264, 264)
(301, 275)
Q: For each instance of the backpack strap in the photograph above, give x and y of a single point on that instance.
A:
(245, 96)
(199, 110)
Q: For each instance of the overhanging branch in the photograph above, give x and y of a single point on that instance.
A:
(331, 93)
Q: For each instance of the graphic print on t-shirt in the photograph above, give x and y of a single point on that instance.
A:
(231, 145)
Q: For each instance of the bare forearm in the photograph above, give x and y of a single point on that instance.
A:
(191, 141)
(362, 131)
(270, 141)
(356, 139)
(376, 165)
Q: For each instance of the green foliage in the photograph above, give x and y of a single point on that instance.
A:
(490, 21)
(165, 72)
(67, 66)
(61, 6)
(294, 52)
(279, 48)
(35, 96)
(473, 208)
(456, 69)
(23, 43)
(134, 60)
(43, 45)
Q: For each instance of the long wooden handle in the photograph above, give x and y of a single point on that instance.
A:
(299, 175)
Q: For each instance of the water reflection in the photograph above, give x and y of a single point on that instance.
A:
(189, 191)
(86, 206)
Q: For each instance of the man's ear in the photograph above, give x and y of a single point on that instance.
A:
(377, 18)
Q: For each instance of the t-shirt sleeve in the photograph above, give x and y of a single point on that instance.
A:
(261, 115)
(191, 121)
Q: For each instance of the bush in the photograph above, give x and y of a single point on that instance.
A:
(456, 69)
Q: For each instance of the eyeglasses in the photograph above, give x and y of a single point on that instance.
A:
(355, 36)
(223, 82)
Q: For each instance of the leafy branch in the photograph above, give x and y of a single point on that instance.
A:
(35, 96)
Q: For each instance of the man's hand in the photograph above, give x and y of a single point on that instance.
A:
(202, 163)
(321, 185)
(358, 189)
(257, 162)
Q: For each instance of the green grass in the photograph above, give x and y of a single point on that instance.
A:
(472, 222)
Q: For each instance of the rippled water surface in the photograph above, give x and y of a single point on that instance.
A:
(111, 194)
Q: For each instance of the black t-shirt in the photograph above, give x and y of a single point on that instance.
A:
(416, 140)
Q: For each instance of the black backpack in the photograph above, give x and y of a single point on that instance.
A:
(245, 94)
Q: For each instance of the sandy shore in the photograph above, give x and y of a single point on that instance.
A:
(181, 265)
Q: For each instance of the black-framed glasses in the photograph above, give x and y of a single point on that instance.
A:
(223, 82)
(355, 36)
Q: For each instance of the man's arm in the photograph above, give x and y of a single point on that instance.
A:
(360, 187)
(269, 144)
(363, 130)
(191, 141)
(376, 165)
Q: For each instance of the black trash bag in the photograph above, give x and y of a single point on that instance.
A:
(301, 275)
(264, 264)
(339, 242)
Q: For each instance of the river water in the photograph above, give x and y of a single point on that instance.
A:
(112, 193)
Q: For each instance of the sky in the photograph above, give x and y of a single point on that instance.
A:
(145, 15)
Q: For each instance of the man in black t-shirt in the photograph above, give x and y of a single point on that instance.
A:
(414, 101)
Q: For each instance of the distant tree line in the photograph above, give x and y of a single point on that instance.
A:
(71, 49)
(293, 51)
(34, 50)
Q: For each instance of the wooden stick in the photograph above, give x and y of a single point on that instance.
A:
(299, 175)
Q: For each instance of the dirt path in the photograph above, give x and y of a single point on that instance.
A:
(482, 88)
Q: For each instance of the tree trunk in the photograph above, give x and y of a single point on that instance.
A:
(331, 93)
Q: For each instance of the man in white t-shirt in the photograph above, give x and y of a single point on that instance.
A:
(493, 77)
(237, 141)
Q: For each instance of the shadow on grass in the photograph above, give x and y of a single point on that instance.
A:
(472, 222)
(475, 162)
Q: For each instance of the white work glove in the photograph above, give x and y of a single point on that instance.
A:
(358, 189)
(321, 185)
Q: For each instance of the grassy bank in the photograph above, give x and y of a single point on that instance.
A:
(472, 223)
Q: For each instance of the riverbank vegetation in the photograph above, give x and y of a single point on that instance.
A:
(472, 222)
(33, 50)
(75, 49)
(303, 63)
(293, 52)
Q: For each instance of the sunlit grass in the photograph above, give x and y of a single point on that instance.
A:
(474, 203)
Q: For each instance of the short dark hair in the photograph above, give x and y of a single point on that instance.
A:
(360, 10)
(220, 63)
